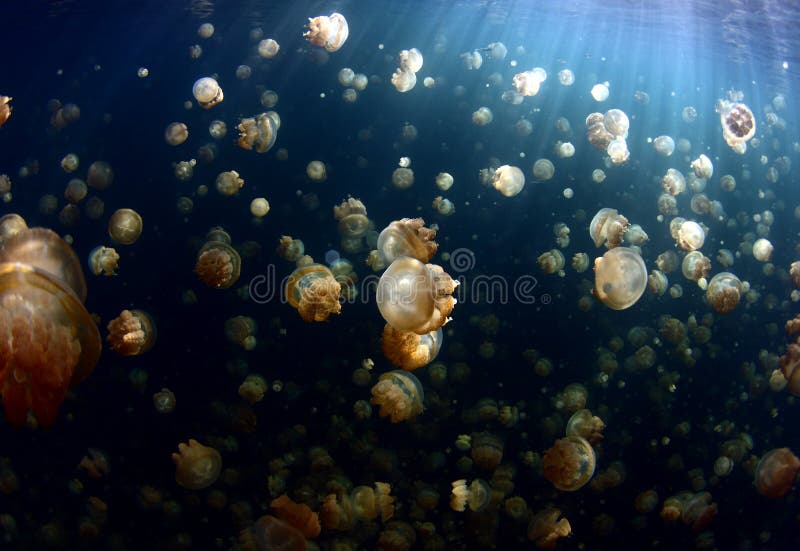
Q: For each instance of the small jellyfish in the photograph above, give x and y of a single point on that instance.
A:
(411, 60)
(313, 292)
(475, 495)
(690, 236)
(218, 265)
(673, 182)
(445, 207)
(547, 526)
(724, 291)
(176, 133)
(543, 170)
(100, 176)
(327, 31)
(620, 278)
(316, 171)
(508, 180)
(259, 207)
(196, 466)
(403, 178)
(290, 249)
(703, 168)
(408, 350)
(164, 401)
(664, 145)
(762, 250)
(70, 163)
(407, 237)
(131, 333)
(207, 92)
(566, 77)
(11, 225)
(103, 260)
(259, 132)
(399, 395)
(570, 463)
(777, 472)
(738, 124)
(482, 116)
(528, 83)
(551, 262)
(607, 227)
(657, 282)
(268, 48)
(695, 266)
(253, 388)
(125, 226)
(241, 330)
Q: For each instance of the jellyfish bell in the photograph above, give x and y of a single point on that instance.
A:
(570, 463)
(690, 236)
(10, 225)
(407, 237)
(196, 466)
(738, 123)
(411, 60)
(607, 227)
(131, 333)
(508, 180)
(327, 31)
(777, 472)
(259, 132)
(207, 92)
(408, 350)
(620, 278)
(125, 226)
(724, 291)
(5, 109)
(399, 395)
(218, 265)
(313, 292)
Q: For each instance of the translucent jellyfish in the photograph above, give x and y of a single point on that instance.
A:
(472, 60)
(551, 262)
(673, 182)
(176, 133)
(316, 171)
(635, 235)
(664, 145)
(777, 472)
(290, 249)
(413, 296)
(566, 77)
(269, 99)
(547, 526)
(268, 48)
(724, 291)
(543, 170)
(103, 260)
(598, 176)
(229, 183)
(496, 50)
(241, 330)
(259, 132)
(259, 207)
(70, 163)
(565, 150)
(444, 181)
(411, 60)
(597, 133)
(131, 333)
(445, 207)
(218, 265)
(349, 95)
(616, 122)
(49, 341)
(404, 81)
(529, 82)
(272, 533)
(657, 282)
(475, 495)
(399, 395)
(313, 292)
(600, 91)
(584, 424)
(253, 389)
(346, 76)
(695, 266)
(403, 178)
(620, 278)
(207, 92)
(205, 31)
(298, 515)
(328, 31)
(196, 466)
(482, 116)
(690, 236)
(408, 350)
(762, 250)
(618, 151)
(125, 226)
(738, 124)
(508, 180)
(407, 237)
(702, 166)
(570, 463)
(608, 227)
(11, 225)
(580, 262)
(5, 109)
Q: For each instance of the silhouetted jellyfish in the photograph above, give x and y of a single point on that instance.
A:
(100, 176)
(131, 333)
(196, 466)
(313, 292)
(399, 395)
(327, 31)
(218, 265)
(413, 296)
(298, 515)
(164, 401)
(408, 350)
(777, 472)
(259, 132)
(207, 92)
(407, 237)
(724, 291)
(607, 227)
(569, 464)
(5, 109)
(486, 450)
(125, 226)
(545, 528)
(475, 495)
(508, 180)
(620, 278)
(48, 341)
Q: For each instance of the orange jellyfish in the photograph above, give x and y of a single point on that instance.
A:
(352, 217)
(125, 226)
(399, 395)
(196, 466)
(777, 472)
(272, 533)
(545, 528)
(218, 264)
(313, 292)
(259, 132)
(298, 515)
(407, 237)
(409, 351)
(48, 341)
(131, 333)
(327, 31)
(11, 224)
(569, 464)
(5, 109)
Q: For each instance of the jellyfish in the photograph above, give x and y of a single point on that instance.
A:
(49, 341)
(528, 83)
(607, 227)
(131, 333)
(545, 528)
(316, 172)
(399, 395)
(411, 60)
(482, 116)
(487, 450)
(724, 291)
(566, 77)
(444, 206)
(738, 124)
(777, 472)
(352, 217)
(413, 296)
(408, 350)
(695, 266)
(327, 31)
(407, 237)
(569, 464)
(253, 388)
(298, 515)
(543, 170)
(268, 48)
(229, 183)
(125, 226)
(664, 145)
(702, 166)
(690, 236)
(762, 250)
(657, 282)
(508, 180)
(472, 60)
(588, 426)
(597, 133)
(475, 495)
(176, 133)
(259, 207)
(552, 262)
(5, 109)
(218, 265)
(600, 92)
(620, 278)
(207, 92)
(11, 225)
(673, 182)
(403, 178)
(196, 466)
(241, 330)
(259, 132)
(164, 401)
(313, 292)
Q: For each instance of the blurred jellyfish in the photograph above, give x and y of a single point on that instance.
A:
(404, 81)
(543, 170)
(689, 114)
(600, 92)
(529, 82)
(547, 526)
(472, 60)
(196, 466)
(229, 183)
(566, 77)
(327, 31)
(552, 262)
(103, 260)
(664, 145)
(482, 116)
(445, 207)
(403, 178)
(475, 495)
(777, 472)
(620, 278)
(444, 181)
(411, 60)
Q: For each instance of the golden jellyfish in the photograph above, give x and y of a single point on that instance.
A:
(445, 207)
(259, 207)
(207, 92)
(724, 291)
(259, 132)
(600, 91)
(327, 31)
(598, 176)
(762, 250)
(408, 350)
(11, 225)
(543, 170)
(125, 226)
(76, 191)
(131, 333)
(690, 236)
(176, 133)
(399, 395)
(241, 330)
(552, 262)
(196, 466)
(253, 388)
(790, 367)
(403, 178)
(618, 151)
(607, 227)
(777, 472)
(407, 237)
(702, 166)
(580, 262)
(673, 182)
(269, 532)
(103, 260)
(588, 426)
(482, 116)
(476, 495)
(508, 180)
(218, 265)
(268, 48)
(229, 183)
(346, 76)
(566, 77)
(50, 341)
(620, 278)
(298, 515)
(290, 249)
(569, 464)
(316, 171)
(657, 282)
(486, 450)
(100, 175)
(352, 217)
(70, 163)
(313, 292)
(496, 50)
(695, 266)
(414, 296)
(546, 527)
(411, 60)
(217, 129)
(727, 183)
(664, 145)
(738, 124)
(164, 401)
(5, 109)
(528, 83)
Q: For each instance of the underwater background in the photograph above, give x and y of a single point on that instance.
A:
(700, 395)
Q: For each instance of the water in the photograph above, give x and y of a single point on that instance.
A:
(90, 54)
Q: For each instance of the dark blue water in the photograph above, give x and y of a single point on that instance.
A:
(681, 54)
